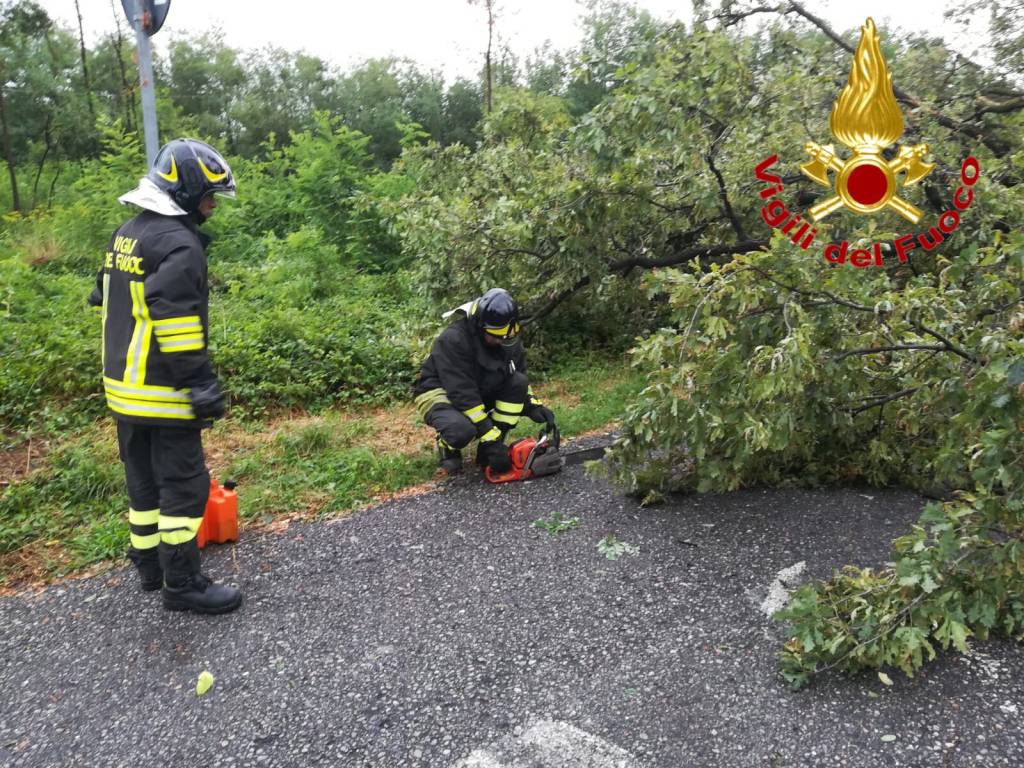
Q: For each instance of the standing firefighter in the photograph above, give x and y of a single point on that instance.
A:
(474, 383)
(156, 371)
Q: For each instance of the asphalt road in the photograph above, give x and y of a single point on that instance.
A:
(444, 630)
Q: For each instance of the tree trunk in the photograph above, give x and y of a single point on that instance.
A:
(8, 152)
(127, 97)
(53, 183)
(85, 66)
(490, 37)
(48, 138)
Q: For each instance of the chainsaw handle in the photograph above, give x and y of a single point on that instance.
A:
(553, 433)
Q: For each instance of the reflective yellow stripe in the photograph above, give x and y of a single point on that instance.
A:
(181, 343)
(138, 350)
(146, 392)
(149, 410)
(172, 174)
(505, 419)
(178, 530)
(429, 399)
(169, 323)
(533, 398)
(173, 522)
(191, 346)
(144, 542)
(501, 405)
(143, 517)
(497, 331)
(103, 321)
(493, 434)
(476, 414)
(213, 177)
(174, 538)
(192, 333)
(193, 330)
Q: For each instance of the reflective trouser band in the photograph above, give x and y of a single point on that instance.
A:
(507, 413)
(476, 414)
(178, 530)
(143, 527)
(429, 399)
(491, 435)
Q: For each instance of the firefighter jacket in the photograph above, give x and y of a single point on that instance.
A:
(467, 373)
(153, 293)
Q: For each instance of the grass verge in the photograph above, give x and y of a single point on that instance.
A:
(70, 512)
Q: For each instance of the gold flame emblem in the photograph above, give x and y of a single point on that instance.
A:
(867, 119)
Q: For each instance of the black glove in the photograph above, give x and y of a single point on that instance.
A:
(541, 413)
(496, 455)
(207, 400)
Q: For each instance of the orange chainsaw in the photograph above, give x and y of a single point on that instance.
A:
(531, 457)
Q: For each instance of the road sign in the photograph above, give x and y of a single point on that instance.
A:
(154, 13)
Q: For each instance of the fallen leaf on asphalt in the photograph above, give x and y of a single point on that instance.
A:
(204, 683)
(886, 680)
(888, 737)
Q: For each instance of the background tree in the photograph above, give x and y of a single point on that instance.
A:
(491, 9)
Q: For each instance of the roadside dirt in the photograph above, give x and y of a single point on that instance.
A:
(17, 463)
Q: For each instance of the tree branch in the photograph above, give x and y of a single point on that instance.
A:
(893, 348)
(1000, 107)
(882, 400)
(681, 257)
(553, 303)
(723, 195)
(949, 344)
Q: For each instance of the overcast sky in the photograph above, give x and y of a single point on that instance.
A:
(449, 35)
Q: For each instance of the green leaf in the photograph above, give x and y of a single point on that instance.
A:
(204, 683)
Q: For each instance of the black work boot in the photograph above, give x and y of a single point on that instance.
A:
(448, 458)
(186, 589)
(147, 563)
(201, 595)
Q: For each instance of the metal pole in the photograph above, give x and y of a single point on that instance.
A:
(149, 126)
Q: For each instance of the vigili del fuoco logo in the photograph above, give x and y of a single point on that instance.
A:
(867, 119)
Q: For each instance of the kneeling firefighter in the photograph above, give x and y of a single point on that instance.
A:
(474, 384)
(157, 375)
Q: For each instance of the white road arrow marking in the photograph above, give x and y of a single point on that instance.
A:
(550, 744)
(778, 592)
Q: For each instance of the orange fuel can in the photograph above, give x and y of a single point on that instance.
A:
(220, 520)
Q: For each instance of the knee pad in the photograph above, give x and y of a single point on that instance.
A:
(460, 435)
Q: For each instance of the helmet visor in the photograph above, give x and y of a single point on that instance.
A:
(507, 333)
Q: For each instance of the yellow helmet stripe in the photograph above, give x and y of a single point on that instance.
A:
(498, 331)
(172, 175)
(213, 177)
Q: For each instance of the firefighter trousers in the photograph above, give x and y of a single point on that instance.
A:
(168, 485)
(503, 405)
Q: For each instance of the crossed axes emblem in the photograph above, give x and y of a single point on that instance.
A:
(867, 181)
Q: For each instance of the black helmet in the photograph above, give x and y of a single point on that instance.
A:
(188, 170)
(496, 313)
